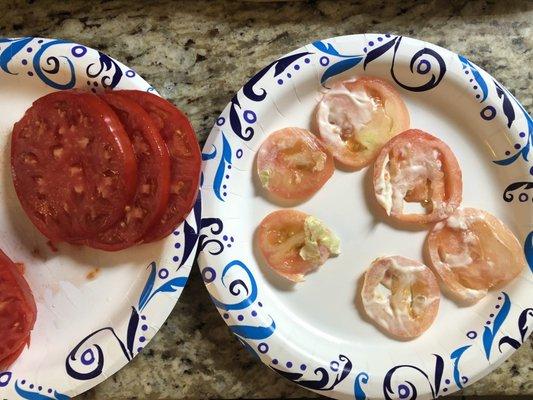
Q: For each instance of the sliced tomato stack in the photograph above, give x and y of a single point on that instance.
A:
(108, 171)
(17, 311)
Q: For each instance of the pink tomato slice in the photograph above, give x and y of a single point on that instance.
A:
(356, 118)
(294, 243)
(473, 251)
(401, 296)
(292, 164)
(416, 168)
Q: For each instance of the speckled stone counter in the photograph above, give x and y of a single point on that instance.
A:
(198, 54)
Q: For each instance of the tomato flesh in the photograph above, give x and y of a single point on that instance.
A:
(401, 296)
(472, 251)
(416, 167)
(153, 177)
(17, 311)
(281, 237)
(292, 164)
(185, 160)
(356, 118)
(72, 165)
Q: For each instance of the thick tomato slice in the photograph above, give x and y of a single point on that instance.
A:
(472, 251)
(415, 167)
(153, 177)
(401, 296)
(17, 311)
(73, 165)
(294, 243)
(292, 164)
(356, 118)
(185, 160)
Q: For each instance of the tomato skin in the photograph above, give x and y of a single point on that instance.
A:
(473, 252)
(185, 160)
(401, 296)
(357, 117)
(280, 236)
(296, 163)
(18, 312)
(446, 189)
(153, 166)
(72, 165)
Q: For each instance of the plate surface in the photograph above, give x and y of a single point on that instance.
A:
(96, 310)
(314, 333)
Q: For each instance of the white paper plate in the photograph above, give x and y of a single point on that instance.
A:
(86, 329)
(313, 333)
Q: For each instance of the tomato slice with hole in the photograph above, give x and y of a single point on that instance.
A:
(355, 118)
(282, 238)
(17, 311)
(185, 160)
(417, 178)
(401, 296)
(153, 177)
(292, 164)
(73, 165)
(472, 252)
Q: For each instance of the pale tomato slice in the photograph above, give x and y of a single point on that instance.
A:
(401, 296)
(356, 118)
(416, 167)
(292, 164)
(473, 251)
(294, 243)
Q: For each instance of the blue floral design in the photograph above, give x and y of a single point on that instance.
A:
(90, 353)
(523, 327)
(477, 76)
(236, 286)
(528, 250)
(490, 333)
(10, 51)
(360, 379)
(106, 64)
(456, 356)
(35, 395)
(423, 67)
(407, 389)
(324, 381)
(347, 62)
(105, 69)
(54, 63)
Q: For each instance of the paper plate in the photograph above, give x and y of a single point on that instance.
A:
(96, 310)
(313, 333)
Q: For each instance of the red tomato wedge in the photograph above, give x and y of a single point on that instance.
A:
(472, 252)
(185, 160)
(401, 296)
(294, 243)
(415, 167)
(17, 311)
(356, 118)
(292, 164)
(72, 164)
(153, 177)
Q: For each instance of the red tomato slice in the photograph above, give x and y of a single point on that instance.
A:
(356, 118)
(292, 164)
(415, 167)
(73, 165)
(401, 296)
(17, 311)
(185, 160)
(472, 251)
(153, 177)
(281, 237)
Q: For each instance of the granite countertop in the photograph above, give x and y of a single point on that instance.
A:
(198, 54)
